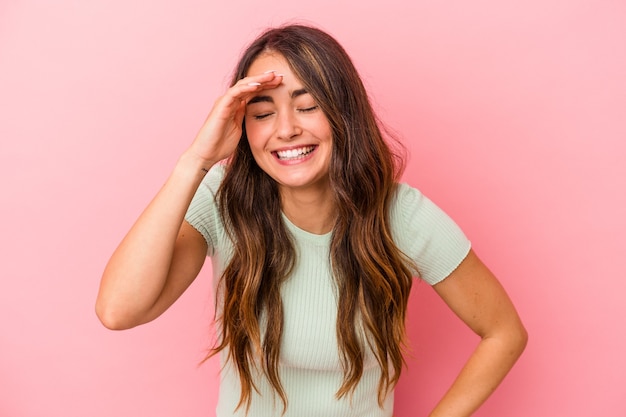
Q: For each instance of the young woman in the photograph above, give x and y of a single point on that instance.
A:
(314, 245)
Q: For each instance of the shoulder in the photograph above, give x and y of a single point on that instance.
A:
(408, 204)
(203, 213)
(206, 193)
(426, 234)
(213, 179)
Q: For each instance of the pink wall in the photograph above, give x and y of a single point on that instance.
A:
(515, 115)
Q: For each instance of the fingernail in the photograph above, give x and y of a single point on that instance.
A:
(267, 72)
(280, 75)
(254, 84)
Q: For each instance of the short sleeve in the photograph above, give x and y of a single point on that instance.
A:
(202, 213)
(427, 235)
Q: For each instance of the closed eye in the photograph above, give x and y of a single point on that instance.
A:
(308, 109)
(261, 116)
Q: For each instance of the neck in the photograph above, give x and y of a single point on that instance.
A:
(313, 210)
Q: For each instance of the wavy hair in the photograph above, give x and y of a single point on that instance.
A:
(372, 276)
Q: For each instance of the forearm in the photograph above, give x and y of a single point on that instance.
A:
(138, 269)
(158, 259)
(483, 372)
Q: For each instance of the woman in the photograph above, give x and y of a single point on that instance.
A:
(313, 242)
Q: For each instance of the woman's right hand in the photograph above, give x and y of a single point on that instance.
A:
(219, 135)
(162, 254)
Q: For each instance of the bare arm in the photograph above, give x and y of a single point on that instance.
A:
(476, 296)
(162, 254)
(157, 260)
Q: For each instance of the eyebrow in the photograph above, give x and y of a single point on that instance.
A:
(269, 99)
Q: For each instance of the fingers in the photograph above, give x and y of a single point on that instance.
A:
(247, 87)
(221, 130)
(232, 103)
(269, 79)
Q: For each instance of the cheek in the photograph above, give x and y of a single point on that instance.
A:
(254, 136)
(257, 148)
(323, 130)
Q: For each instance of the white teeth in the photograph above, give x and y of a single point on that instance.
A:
(295, 153)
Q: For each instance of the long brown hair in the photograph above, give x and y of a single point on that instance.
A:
(371, 274)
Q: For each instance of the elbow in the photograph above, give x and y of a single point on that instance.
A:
(512, 339)
(523, 338)
(519, 340)
(112, 318)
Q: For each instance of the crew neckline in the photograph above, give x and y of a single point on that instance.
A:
(323, 239)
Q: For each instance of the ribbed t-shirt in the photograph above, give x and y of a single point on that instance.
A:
(310, 368)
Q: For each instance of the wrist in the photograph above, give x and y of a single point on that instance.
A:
(191, 168)
(191, 162)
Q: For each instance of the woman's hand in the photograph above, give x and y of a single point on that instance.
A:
(161, 254)
(220, 133)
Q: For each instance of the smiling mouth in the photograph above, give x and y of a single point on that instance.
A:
(293, 154)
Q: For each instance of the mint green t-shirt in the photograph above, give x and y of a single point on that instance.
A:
(310, 367)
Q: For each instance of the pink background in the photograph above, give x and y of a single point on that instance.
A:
(514, 113)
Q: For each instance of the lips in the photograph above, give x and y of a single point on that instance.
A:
(295, 153)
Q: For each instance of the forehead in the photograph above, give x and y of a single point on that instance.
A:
(270, 61)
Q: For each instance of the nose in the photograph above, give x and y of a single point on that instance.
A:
(287, 126)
